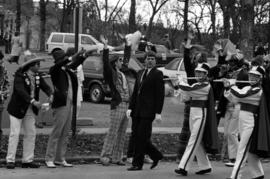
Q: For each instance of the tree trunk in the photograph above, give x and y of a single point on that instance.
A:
(226, 22)
(199, 33)
(149, 30)
(213, 21)
(132, 16)
(42, 32)
(247, 25)
(268, 47)
(186, 18)
(18, 15)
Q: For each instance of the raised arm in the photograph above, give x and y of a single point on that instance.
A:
(189, 67)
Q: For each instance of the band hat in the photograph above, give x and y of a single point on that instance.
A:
(204, 67)
(257, 70)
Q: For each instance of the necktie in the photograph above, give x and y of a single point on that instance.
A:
(144, 74)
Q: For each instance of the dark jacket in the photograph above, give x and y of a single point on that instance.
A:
(59, 78)
(20, 98)
(260, 139)
(148, 96)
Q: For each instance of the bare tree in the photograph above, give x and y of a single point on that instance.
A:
(212, 6)
(247, 25)
(186, 17)
(226, 6)
(156, 6)
(18, 15)
(67, 10)
(132, 16)
(42, 14)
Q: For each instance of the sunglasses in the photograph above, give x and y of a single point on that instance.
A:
(121, 60)
(151, 58)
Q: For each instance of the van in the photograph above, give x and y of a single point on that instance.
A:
(59, 40)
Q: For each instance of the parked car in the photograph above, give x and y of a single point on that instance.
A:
(94, 87)
(163, 56)
(59, 40)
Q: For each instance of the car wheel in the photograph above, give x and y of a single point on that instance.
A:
(96, 93)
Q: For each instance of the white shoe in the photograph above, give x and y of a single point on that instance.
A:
(229, 164)
(50, 164)
(64, 164)
(147, 159)
(129, 160)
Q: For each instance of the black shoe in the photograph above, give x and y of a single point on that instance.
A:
(201, 172)
(10, 165)
(154, 164)
(134, 168)
(260, 177)
(30, 165)
(181, 171)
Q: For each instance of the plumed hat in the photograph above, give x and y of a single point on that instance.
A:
(257, 70)
(204, 67)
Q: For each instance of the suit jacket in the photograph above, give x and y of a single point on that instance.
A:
(21, 96)
(148, 96)
(59, 78)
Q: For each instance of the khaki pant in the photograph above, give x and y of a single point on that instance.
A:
(29, 129)
(57, 144)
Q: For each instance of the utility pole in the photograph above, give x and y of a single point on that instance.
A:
(77, 10)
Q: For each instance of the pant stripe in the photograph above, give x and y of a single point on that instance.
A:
(244, 155)
(197, 137)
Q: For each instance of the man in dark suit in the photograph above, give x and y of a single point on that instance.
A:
(145, 107)
(23, 108)
(64, 104)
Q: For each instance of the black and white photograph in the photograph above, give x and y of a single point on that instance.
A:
(134, 89)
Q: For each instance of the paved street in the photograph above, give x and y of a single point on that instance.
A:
(93, 171)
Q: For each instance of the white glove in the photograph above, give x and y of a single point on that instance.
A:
(128, 113)
(228, 82)
(158, 118)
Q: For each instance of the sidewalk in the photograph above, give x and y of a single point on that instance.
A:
(165, 170)
(91, 130)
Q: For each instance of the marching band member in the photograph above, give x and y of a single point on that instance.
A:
(230, 110)
(202, 123)
(253, 124)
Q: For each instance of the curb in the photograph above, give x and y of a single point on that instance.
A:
(95, 158)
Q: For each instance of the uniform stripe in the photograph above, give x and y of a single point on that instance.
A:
(197, 138)
(194, 87)
(243, 157)
(248, 93)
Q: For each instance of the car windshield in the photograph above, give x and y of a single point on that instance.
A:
(135, 64)
(161, 49)
(173, 65)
